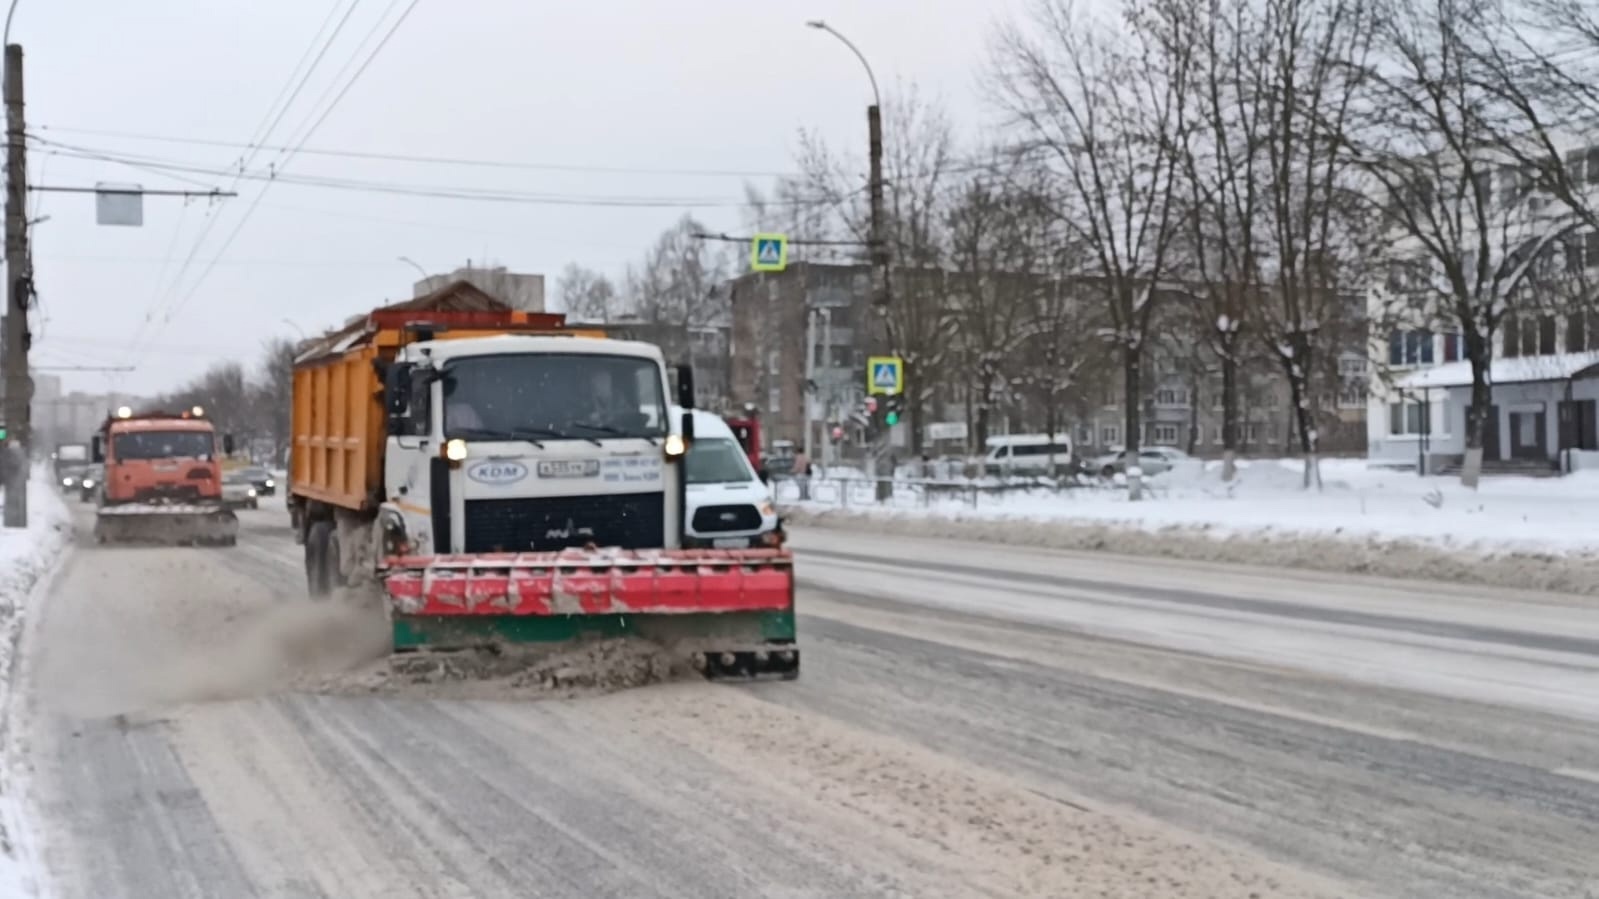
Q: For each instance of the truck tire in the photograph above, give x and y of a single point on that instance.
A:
(318, 546)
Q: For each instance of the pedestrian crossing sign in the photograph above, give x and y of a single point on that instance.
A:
(769, 252)
(885, 374)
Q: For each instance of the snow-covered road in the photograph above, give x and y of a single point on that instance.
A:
(972, 721)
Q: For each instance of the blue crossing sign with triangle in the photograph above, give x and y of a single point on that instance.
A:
(885, 374)
(769, 252)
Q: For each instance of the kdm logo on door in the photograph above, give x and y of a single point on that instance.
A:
(496, 472)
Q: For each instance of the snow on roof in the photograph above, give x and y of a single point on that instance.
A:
(1521, 370)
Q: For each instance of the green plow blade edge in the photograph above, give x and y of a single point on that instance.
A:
(463, 631)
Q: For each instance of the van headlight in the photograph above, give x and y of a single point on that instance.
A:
(767, 509)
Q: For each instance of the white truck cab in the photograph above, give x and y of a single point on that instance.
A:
(522, 443)
(729, 506)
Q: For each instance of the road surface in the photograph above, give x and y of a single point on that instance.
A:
(972, 721)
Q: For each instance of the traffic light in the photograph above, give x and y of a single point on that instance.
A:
(870, 404)
(896, 405)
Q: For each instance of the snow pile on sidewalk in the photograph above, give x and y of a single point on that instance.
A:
(1372, 520)
(26, 556)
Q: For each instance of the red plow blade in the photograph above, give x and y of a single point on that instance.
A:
(592, 582)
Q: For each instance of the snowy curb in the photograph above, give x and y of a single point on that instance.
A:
(1409, 560)
(29, 563)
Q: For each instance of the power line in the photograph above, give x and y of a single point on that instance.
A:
(423, 190)
(250, 211)
(465, 162)
(261, 132)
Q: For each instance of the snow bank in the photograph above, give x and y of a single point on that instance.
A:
(1518, 532)
(27, 558)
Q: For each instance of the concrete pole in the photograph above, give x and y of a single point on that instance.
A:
(18, 385)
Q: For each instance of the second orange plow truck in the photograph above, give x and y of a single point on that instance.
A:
(504, 479)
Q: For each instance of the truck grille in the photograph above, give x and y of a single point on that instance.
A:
(711, 519)
(630, 521)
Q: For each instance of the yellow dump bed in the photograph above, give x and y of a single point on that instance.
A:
(337, 423)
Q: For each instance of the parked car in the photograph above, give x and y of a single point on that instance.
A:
(1151, 460)
(261, 480)
(1028, 455)
(238, 492)
(89, 483)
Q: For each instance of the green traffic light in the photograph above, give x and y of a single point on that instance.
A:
(892, 418)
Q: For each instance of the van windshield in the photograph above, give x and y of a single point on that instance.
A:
(717, 460)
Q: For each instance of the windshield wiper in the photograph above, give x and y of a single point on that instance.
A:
(613, 431)
(531, 435)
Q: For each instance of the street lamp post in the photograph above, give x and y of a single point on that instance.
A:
(874, 132)
(414, 264)
(879, 246)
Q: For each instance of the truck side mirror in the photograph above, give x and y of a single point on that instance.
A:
(685, 388)
(397, 397)
(764, 475)
(97, 449)
(227, 444)
(687, 426)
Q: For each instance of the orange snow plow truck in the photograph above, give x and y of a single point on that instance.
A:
(502, 478)
(163, 480)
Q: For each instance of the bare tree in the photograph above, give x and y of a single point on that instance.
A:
(271, 393)
(586, 295)
(997, 233)
(1473, 222)
(675, 287)
(1103, 108)
(919, 323)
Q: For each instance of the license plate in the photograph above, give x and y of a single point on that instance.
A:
(731, 543)
(570, 468)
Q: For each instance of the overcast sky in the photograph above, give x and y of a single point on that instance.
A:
(628, 84)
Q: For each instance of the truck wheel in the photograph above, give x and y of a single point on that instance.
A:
(318, 544)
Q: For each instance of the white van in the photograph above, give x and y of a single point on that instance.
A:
(1028, 455)
(729, 506)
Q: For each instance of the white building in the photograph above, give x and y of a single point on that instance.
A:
(1545, 372)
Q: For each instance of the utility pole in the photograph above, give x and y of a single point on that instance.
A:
(810, 381)
(18, 384)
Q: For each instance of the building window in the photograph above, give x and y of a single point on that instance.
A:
(1352, 395)
(1350, 366)
(1529, 336)
(1582, 332)
(1171, 397)
(1454, 347)
(1410, 348)
(1409, 419)
(1085, 435)
(1112, 395)
(1166, 435)
(1110, 435)
(1252, 432)
(1219, 436)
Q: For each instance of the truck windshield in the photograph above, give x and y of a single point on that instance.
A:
(575, 396)
(717, 460)
(164, 445)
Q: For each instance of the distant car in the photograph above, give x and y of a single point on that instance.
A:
(71, 476)
(261, 480)
(238, 492)
(89, 483)
(1151, 461)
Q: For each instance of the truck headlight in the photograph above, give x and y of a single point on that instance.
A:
(250, 493)
(675, 446)
(455, 450)
(270, 483)
(88, 482)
